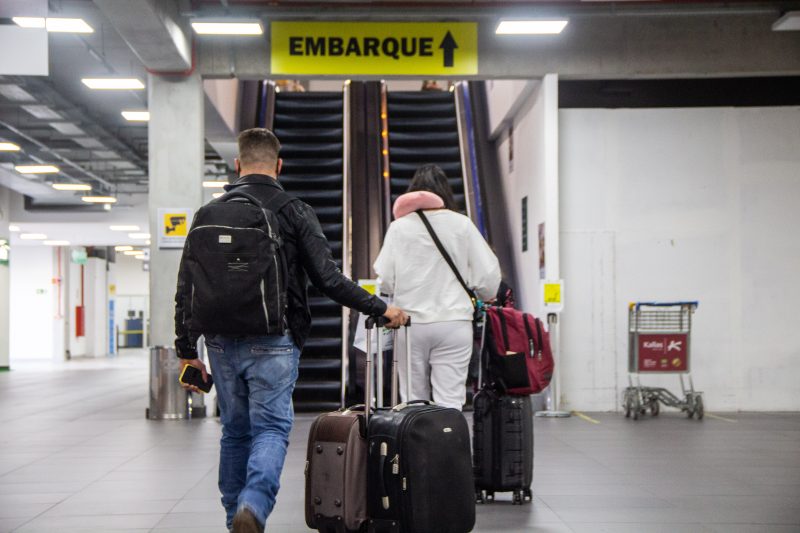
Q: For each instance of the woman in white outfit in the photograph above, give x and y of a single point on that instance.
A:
(411, 268)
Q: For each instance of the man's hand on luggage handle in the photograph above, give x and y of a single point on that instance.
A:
(397, 317)
(199, 365)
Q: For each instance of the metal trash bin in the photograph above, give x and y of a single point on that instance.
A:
(168, 400)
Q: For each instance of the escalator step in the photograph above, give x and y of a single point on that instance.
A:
(401, 184)
(422, 124)
(313, 149)
(415, 109)
(420, 97)
(406, 170)
(302, 406)
(308, 107)
(332, 231)
(323, 305)
(314, 95)
(425, 152)
(317, 121)
(308, 132)
(321, 198)
(412, 139)
(311, 181)
(317, 390)
(304, 165)
(329, 214)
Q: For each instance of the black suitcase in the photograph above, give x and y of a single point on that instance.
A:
(419, 472)
(502, 445)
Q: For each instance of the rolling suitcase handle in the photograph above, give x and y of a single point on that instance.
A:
(369, 326)
(395, 376)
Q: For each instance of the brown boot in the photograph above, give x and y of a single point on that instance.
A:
(245, 522)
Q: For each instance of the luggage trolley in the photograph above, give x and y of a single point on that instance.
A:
(659, 342)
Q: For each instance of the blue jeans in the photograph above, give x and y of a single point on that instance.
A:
(254, 377)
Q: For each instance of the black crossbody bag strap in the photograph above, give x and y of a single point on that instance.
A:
(446, 256)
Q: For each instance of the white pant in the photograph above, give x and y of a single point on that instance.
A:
(440, 354)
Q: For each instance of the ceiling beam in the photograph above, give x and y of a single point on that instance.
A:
(155, 31)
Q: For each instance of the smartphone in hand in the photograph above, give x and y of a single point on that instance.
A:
(192, 376)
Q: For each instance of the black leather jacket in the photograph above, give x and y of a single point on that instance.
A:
(308, 256)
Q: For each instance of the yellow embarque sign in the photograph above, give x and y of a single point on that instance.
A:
(374, 48)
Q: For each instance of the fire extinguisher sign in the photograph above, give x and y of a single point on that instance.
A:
(663, 352)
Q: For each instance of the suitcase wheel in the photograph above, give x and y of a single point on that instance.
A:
(489, 496)
(479, 496)
(527, 495)
(517, 499)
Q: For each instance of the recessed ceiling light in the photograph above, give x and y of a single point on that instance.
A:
(72, 187)
(113, 83)
(8, 147)
(124, 228)
(56, 243)
(99, 199)
(16, 93)
(136, 116)
(36, 169)
(141, 256)
(138, 235)
(217, 194)
(13, 229)
(217, 184)
(123, 248)
(41, 111)
(134, 252)
(530, 27)
(32, 236)
(54, 24)
(147, 242)
(227, 28)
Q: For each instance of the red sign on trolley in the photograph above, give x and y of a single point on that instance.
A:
(663, 352)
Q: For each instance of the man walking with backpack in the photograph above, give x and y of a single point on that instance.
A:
(242, 284)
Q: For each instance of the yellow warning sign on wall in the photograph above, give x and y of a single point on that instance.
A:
(173, 226)
(374, 48)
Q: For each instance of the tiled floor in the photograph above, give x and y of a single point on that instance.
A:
(77, 454)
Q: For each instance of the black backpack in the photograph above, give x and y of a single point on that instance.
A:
(237, 267)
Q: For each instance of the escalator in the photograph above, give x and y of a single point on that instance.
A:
(423, 128)
(310, 129)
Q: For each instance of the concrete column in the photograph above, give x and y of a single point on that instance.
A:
(5, 288)
(177, 155)
(96, 304)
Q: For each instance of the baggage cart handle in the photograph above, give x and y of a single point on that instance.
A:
(693, 304)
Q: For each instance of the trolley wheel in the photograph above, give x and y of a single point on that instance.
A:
(690, 406)
(627, 404)
(698, 407)
(636, 407)
(655, 408)
(479, 496)
(517, 498)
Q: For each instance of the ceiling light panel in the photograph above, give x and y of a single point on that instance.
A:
(105, 154)
(530, 27)
(72, 187)
(136, 116)
(8, 147)
(123, 248)
(29, 22)
(99, 199)
(113, 83)
(15, 93)
(227, 28)
(68, 25)
(89, 142)
(41, 111)
(36, 169)
(67, 128)
(214, 184)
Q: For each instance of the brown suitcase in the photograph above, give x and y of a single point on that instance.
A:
(336, 465)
